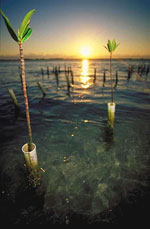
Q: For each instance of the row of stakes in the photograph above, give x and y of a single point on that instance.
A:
(56, 71)
(108, 132)
(70, 78)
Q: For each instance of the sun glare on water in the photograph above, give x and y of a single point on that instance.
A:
(84, 77)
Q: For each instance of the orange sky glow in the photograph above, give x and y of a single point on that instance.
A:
(76, 30)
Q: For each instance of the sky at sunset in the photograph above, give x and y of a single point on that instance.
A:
(78, 28)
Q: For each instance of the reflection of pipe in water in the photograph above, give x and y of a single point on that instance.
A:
(108, 136)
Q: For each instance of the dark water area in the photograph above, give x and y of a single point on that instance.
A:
(89, 175)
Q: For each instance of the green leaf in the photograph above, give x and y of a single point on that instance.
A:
(9, 27)
(109, 46)
(113, 45)
(26, 30)
(25, 23)
(27, 35)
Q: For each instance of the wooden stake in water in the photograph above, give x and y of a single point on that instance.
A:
(68, 70)
(116, 82)
(147, 72)
(42, 72)
(68, 83)
(41, 88)
(72, 78)
(104, 78)
(94, 75)
(13, 97)
(56, 76)
(129, 75)
(48, 72)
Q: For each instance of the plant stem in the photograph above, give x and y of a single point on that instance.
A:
(25, 96)
(112, 92)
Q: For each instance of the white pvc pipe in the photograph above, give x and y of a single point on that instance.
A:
(111, 114)
(30, 158)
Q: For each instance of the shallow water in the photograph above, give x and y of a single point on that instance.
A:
(89, 174)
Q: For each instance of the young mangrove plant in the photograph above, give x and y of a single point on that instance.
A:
(24, 33)
(111, 46)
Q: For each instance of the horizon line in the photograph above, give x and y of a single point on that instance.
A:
(74, 58)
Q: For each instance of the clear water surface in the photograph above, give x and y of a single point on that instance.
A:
(88, 174)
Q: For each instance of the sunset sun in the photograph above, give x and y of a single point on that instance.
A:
(85, 51)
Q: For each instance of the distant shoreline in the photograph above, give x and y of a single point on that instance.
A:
(75, 59)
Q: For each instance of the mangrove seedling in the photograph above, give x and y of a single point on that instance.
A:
(24, 33)
(111, 46)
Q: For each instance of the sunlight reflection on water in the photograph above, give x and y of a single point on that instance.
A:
(85, 79)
